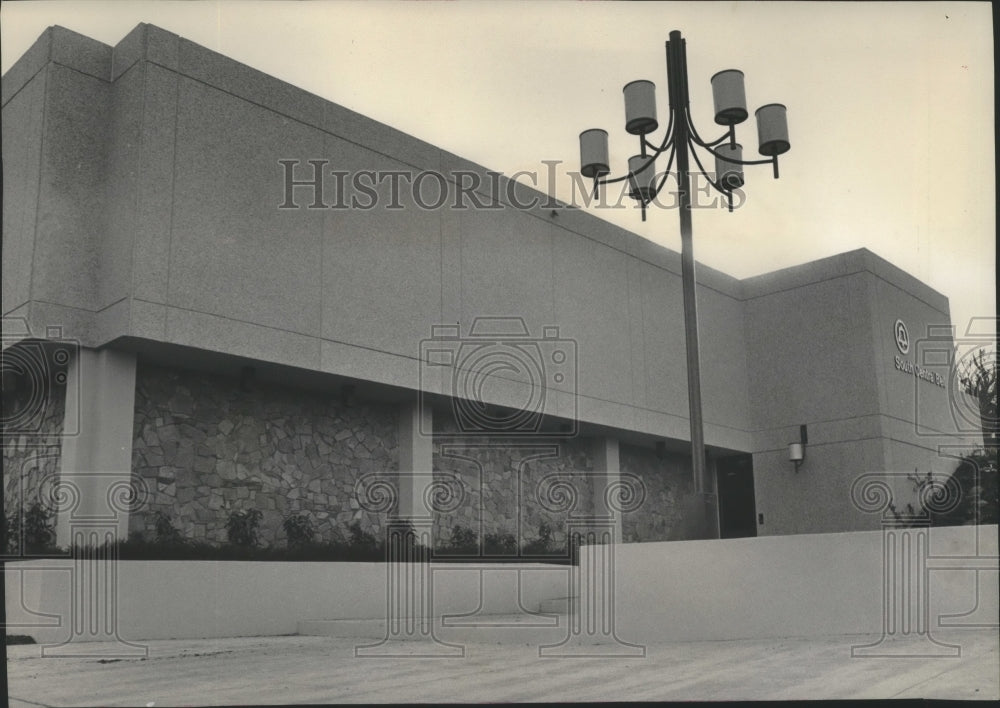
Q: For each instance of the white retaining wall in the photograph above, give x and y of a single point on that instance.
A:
(194, 599)
(802, 585)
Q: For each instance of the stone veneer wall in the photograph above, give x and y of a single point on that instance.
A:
(32, 439)
(205, 448)
(670, 499)
(494, 502)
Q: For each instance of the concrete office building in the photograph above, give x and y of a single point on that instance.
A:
(189, 306)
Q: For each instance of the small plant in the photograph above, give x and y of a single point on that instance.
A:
(462, 537)
(166, 532)
(241, 528)
(38, 531)
(541, 545)
(299, 530)
(361, 538)
(463, 541)
(34, 528)
(968, 496)
(500, 544)
(11, 535)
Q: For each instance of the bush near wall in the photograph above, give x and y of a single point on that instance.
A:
(978, 501)
(38, 535)
(33, 428)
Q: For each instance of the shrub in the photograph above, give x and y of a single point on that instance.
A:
(166, 532)
(542, 545)
(241, 528)
(976, 479)
(34, 528)
(299, 530)
(463, 541)
(362, 539)
(500, 544)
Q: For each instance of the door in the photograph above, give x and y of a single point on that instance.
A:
(737, 507)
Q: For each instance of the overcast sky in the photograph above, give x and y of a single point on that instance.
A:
(890, 105)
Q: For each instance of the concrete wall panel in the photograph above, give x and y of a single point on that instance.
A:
(116, 243)
(817, 498)
(381, 280)
(809, 354)
(663, 332)
(155, 185)
(233, 252)
(22, 145)
(71, 203)
(723, 356)
(507, 268)
(594, 312)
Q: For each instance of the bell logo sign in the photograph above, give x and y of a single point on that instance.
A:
(902, 337)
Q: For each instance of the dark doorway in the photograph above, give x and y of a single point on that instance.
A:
(737, 507)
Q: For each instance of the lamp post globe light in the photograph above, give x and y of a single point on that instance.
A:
(681, 140)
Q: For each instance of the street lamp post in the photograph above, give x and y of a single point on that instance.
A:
(644, 183)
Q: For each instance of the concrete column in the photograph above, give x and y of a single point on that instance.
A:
(93, 498)
(96, 463)
(409, 607)
(607, 476)
(415, 460)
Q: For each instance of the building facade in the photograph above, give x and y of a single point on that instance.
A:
(212, 294)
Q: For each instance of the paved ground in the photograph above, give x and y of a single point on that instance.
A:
(301, 669)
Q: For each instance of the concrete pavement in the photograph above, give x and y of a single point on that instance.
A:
(299, 669)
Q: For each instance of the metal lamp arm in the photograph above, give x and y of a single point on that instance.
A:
(768, 161)
(729, 135)
(657, 152)
(667, 137)
(704, 173)
(668, 141)
(666, 173)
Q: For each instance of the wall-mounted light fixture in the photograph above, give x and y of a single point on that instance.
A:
(797, 450)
